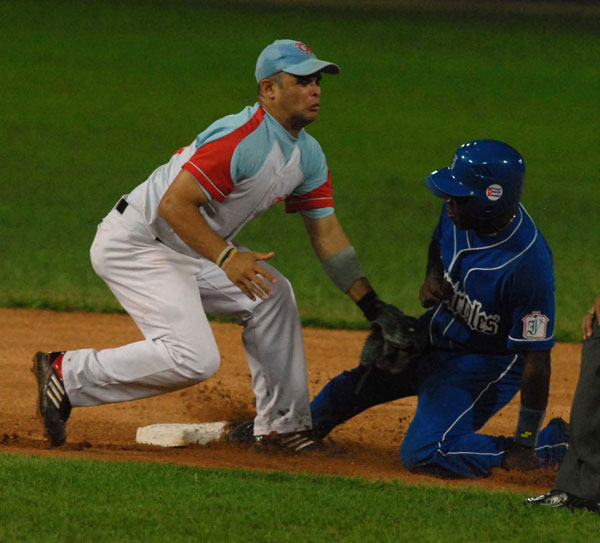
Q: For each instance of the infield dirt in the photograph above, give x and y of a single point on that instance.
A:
(366, 446)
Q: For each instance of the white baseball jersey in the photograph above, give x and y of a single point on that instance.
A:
(245, 163)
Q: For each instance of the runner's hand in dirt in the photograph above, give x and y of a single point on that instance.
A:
(520, 458)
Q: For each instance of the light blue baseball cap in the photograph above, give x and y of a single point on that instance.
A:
(293, 57)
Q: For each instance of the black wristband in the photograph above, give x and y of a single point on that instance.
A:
(370, 305)
(528, 426)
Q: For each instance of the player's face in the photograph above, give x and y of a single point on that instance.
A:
(298, 100)
(455, 207)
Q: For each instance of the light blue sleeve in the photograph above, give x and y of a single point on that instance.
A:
(225, 125)
(314, 166)
(320, 213)
(251, 154)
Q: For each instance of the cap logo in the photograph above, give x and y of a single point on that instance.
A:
(494, 192)
(303, 47)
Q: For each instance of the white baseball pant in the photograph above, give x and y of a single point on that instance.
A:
(167, 294)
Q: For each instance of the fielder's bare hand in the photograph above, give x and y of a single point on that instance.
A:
(245, 272)
(434, 290)
(588, 320)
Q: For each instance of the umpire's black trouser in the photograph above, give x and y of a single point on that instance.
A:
(579, 474)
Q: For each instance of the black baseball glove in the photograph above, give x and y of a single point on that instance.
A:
(392, 344)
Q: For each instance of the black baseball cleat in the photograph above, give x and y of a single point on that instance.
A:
(54, 406)
(554, 498)
(242, 433)
(292, 442)
(557, 498)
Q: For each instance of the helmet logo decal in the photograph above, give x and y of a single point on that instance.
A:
(494, 192)
(303, 47)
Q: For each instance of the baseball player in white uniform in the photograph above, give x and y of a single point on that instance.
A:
(167, 251)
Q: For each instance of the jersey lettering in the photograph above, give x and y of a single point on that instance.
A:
(470, 311)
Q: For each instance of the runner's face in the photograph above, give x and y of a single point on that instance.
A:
(455, 207)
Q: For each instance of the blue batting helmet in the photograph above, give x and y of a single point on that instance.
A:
(490, 172)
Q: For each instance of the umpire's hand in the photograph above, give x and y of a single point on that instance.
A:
(588, 320)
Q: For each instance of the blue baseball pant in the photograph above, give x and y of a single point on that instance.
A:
(457, 394)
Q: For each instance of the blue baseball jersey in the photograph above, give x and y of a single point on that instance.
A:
(502, 306)
(503, 289)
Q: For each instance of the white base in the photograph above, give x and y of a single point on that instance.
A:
(180, 435)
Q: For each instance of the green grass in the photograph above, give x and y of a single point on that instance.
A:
(95, 95)
(55, 500)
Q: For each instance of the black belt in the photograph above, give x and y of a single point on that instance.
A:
(122, 205)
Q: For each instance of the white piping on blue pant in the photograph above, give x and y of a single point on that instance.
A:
(439, 449)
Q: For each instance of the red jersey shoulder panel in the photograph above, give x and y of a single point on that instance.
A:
(317, 198)
(211, 164)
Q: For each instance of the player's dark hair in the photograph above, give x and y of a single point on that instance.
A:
(274, 78)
